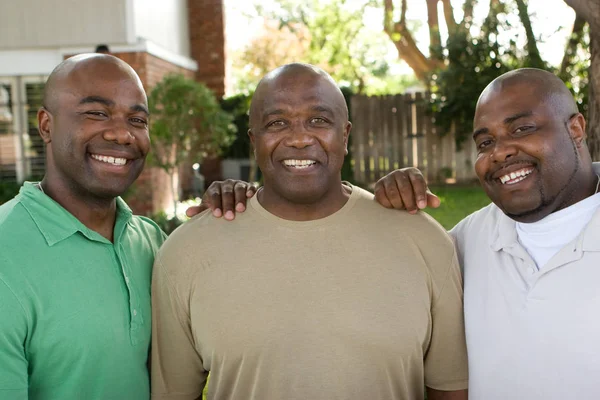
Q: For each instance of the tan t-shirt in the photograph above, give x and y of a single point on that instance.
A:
(363, 304)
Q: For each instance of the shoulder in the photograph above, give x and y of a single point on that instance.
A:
(11, 211)
(420, 225)
(16, 223)
(149, 226)
(484, 218)
(202, 236)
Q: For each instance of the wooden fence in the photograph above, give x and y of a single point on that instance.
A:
(390, 132)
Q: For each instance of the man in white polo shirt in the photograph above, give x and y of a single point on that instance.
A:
(531, 259)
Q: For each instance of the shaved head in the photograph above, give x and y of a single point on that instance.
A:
(291, 72)
(78, 66)
(94, 122)
(548, 87)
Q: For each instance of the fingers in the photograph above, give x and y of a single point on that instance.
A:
(240, 189)
(432, 200)
(227, 197)
(419, 187)
(380, 195)
(193, 210)
(252, 189)
(212, 198)
(405, 189)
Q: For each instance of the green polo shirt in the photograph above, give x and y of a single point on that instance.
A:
(74, 307)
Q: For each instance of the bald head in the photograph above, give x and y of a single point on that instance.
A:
(80, 67)
(286, 78)
(548, 88)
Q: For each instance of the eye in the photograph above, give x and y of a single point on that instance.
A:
(318, 120)
(484, 144)
(524, 129)
(139, 121)
(101, 114)
(276, 124)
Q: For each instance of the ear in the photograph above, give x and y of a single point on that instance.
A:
(347, 129)
(251, 136)
(45, 124)
(576, 127)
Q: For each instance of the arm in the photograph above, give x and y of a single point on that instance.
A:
(222, 196)
(446, 372)
(405, 189)
(177, 369)
(13, 331)
(433, 394)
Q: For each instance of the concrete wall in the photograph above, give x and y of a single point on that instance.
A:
(27, 24)
(164, 22)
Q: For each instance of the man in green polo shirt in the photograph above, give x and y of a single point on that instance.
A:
(75, 264)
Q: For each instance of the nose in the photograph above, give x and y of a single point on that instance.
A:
(299, 137)
(119, 133)
(503, 150)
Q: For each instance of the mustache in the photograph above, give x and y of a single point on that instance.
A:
(490, 175)
(117, 150)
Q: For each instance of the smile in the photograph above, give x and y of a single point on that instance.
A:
(514, 177)
(300, 164)
(109, 159)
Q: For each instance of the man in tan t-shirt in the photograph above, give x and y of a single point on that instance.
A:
(301, 297)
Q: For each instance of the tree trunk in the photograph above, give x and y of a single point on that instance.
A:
(590, 10)
(571, 48)
(533, 54)
(593, 117)
(173, 190)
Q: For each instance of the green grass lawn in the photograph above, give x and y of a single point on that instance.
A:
(457, 202)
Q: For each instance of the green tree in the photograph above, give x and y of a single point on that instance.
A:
(589, 11)
(187, 124)
(475, 53)
(328, 33)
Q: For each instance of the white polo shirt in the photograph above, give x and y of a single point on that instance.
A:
(531, 334)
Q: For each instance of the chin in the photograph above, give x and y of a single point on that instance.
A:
(525, 213)
(108, 191)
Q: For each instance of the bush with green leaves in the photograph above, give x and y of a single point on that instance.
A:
(187, 125)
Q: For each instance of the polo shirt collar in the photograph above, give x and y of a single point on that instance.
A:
(504, 233)
(591, 234)
(57, 224)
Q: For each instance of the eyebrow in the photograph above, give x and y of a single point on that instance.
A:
(97, 99)
(507, 120)
(140, 108)
(273, 111)
(110, 103)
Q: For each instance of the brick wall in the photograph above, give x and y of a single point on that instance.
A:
(207, 42)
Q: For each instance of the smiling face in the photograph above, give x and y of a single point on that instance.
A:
(530, 142)
(96, 128)
(299, 127)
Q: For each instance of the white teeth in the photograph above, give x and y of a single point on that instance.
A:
(515, 177)
(110, 160)
(298, 163)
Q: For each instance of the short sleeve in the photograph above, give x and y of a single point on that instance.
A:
(446, 357)
(13, 332)
(177, 370)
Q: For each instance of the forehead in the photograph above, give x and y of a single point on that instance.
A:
(107, 80)
(505, 101)
(300, 92)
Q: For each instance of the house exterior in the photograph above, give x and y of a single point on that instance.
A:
(155, 37)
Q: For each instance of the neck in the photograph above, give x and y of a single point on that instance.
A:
(97, 214)
(287, 209)
(580, 188)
